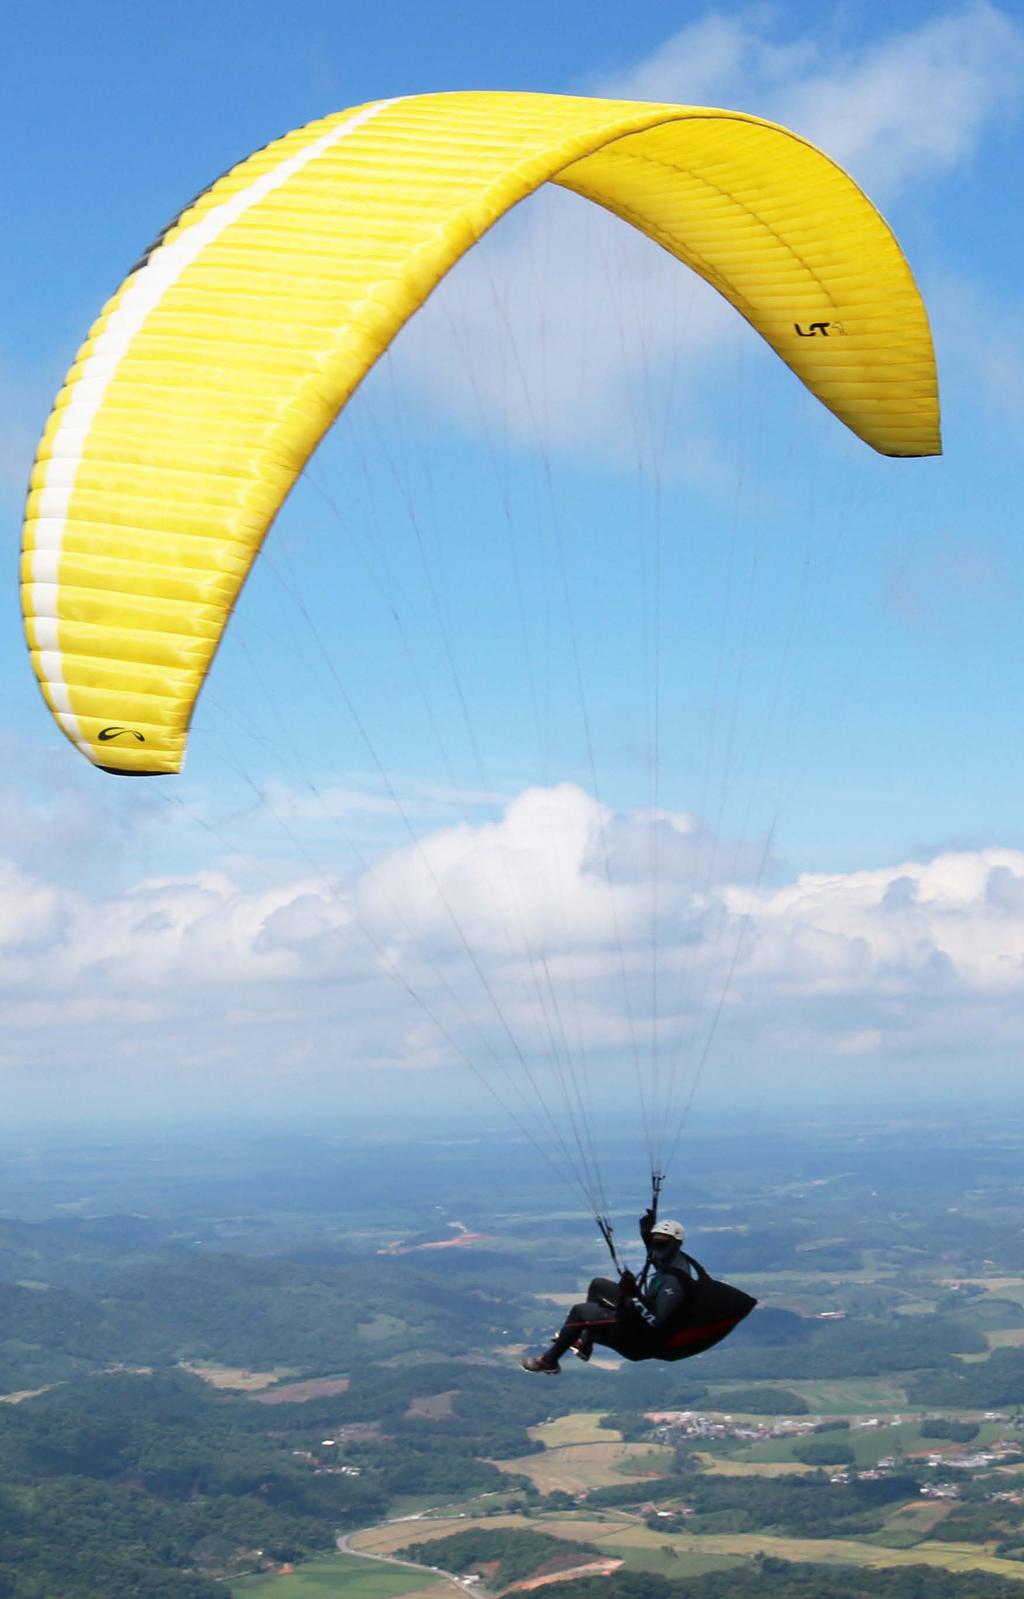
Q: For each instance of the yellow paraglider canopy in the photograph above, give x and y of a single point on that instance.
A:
(225, 355)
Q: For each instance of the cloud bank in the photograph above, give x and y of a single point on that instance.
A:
(537, 927)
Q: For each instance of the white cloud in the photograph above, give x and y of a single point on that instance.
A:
(708, 60)
(956, 921)
(898, 109)
(180, 977)
(367, 797)
(29, 911)
(865, 1042)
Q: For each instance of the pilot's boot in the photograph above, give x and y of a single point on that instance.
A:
(542, 1363)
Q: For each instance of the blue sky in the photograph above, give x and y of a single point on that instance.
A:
(838, 635)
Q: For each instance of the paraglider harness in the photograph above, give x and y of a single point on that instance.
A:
(710, 1309)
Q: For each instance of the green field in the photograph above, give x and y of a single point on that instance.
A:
(578, 1427)
(670, 1561)
(339, 1577)
(824, 1551)
(869, 1444)
(1006, 1338)
(644, 1549)
(852, 1396)
(723, 1466)
(412, 1504)
(576, 1468)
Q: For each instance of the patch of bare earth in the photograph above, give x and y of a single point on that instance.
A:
(24, 1393)
(296, 1393)
(236, 1378)
(463, 1241)
(543, 1579)
(433, 1407)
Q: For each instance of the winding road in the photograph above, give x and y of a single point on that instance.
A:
(463, 1585)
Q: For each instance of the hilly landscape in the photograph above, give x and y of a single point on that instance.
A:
(253, 1395)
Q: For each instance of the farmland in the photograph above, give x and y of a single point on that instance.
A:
(232, 1413)
(347, 1577)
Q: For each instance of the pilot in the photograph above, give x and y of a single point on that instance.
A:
(635, 1322)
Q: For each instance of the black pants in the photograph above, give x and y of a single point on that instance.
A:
(597, 1320)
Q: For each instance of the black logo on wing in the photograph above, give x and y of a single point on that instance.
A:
(105, 734)
(826, 329)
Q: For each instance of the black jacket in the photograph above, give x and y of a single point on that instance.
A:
(665, 1297)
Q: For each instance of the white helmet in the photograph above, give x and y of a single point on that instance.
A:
(669, 1229)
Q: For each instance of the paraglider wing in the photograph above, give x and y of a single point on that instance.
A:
(225, 355)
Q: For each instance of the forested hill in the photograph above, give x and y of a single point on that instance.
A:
(261, 1313)
(137, 1483)
(288, 1313)
(783, 1579)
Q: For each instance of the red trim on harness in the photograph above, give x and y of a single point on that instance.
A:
(695, 1335)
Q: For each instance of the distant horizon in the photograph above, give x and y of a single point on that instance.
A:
(342, 1124)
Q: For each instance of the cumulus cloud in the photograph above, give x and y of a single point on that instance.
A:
(907, 106)
(539, 937)
(567, 327)
(956, 920)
